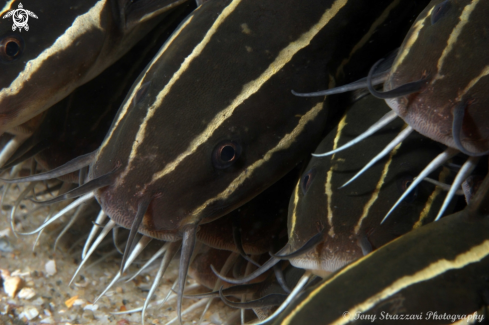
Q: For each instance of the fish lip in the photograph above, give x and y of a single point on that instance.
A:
(324, 259)
(441, 133)
(324, 266)
(123, 214)
(124, 219)
(408, 108)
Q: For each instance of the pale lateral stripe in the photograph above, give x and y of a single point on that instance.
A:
(160, 11)
(427, 208)
(375, 194)
(385, 14)
(130, 100)
(166, 90)
(249, 89)
(473, 82)
(283, 144)
(410, 42)
(464, 19)
(445, 172)
(433, 270)
(293, 220)
(82, 24)
(474, 255)
(327, 186)
(296, 197)
(7, 7)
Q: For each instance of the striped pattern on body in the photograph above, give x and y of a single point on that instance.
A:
(352, 215)
(453, 57)
(67, 46)
(440, 267)
(225, 75)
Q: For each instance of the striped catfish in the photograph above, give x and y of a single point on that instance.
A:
(78, 124)
(440, 267)
(437, 84)
(256, 228)
(330, 226)
(211, 123)
(68, 44)
(452, 78)
(347, 219)
(452, 106)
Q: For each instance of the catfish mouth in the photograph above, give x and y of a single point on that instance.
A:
(165, 216)
(329, 256)
(435, 121)
(423, 116)
(123, 215)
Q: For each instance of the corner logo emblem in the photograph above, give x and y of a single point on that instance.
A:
(20, 17)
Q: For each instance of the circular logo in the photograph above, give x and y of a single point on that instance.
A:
(20, 17)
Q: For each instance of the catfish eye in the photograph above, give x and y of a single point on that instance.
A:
(403, 184)
(11, 48)
(225, 154)
(439, 11)
(307, 179)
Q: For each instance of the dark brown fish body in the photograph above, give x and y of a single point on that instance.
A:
(78, 124)
(436, 84)
(187, 141)
(447, 46)
(349, 217)
(68, 44)
(200, 269)
(441, 267)
(262, 221)
(209, 91)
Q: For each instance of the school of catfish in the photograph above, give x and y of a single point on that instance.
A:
(192, 125)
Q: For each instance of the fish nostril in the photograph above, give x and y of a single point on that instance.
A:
(439, 11)
(307, 180)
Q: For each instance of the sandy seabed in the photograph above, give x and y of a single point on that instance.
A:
(35, 282)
